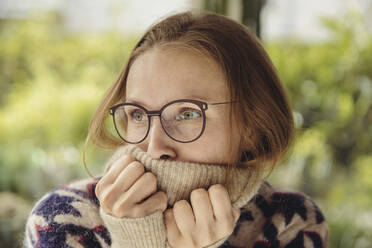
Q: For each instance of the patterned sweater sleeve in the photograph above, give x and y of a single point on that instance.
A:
(308, 229)
(67, 217)
(288, 220)
(70, 216)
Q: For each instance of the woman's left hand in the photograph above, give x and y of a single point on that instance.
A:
(210, 219)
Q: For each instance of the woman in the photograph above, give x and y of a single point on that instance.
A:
(202, 117)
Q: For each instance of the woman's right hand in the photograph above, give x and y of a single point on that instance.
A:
(123, 188)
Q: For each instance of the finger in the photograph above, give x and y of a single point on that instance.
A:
(123, 183)
(171, 226)
(129, 176)
(115, 169)
(110, 177)
(142, 188)
(202, 207)
(221, 202)
(105, 187)
(158, 201)
(184, 216)
(101, 199)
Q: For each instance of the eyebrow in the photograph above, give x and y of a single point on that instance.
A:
(193, 97)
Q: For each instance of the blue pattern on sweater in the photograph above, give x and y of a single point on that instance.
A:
(55, 234)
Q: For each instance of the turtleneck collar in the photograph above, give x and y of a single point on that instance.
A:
(178, 179)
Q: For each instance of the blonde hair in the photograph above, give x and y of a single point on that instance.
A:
(262, 115)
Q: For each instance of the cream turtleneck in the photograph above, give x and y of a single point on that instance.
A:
(177, 179)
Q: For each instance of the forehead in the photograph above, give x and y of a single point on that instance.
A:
(161, 75)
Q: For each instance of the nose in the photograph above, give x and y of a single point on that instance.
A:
(157, 144)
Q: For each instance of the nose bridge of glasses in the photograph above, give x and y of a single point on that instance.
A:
(153, 113)
(153, 126)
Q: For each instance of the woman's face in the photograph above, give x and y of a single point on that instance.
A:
(162, 75)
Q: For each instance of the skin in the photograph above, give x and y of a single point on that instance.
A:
(158, 76)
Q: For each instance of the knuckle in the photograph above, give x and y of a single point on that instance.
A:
(125, 201)
(129, 157)
(121, 208)
(137, 166)
(101, 185)
(123, 159)
(106, 194)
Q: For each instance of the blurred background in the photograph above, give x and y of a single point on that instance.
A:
(58, 58)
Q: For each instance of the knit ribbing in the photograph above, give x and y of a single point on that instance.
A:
(178, 178)
(148, 231)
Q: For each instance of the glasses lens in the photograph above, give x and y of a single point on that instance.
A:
(183, 121)
(131, 123)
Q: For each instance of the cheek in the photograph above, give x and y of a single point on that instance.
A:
(217, 133)
(213, 143)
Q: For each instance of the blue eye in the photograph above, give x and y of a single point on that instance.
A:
(189, 114)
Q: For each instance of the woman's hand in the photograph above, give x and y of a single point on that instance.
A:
(123, 188)
(210, 219)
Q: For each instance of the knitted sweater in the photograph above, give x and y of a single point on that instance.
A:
(70, 216)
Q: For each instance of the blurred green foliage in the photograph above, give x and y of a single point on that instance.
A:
(330, 86)
(51, 81)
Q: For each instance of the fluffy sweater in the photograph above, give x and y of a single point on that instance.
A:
(70, 216)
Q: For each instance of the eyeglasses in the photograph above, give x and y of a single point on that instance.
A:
(182, 120)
